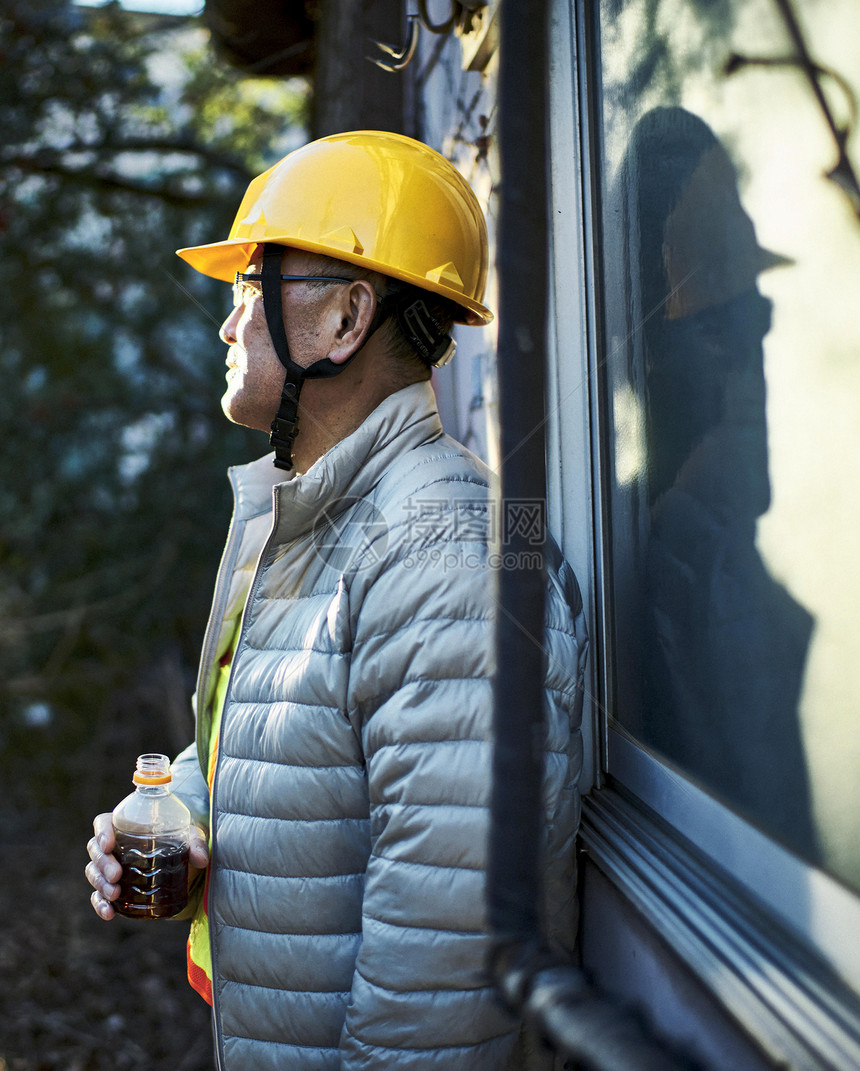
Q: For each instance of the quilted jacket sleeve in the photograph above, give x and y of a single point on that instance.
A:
(190, 785)
(420, 696)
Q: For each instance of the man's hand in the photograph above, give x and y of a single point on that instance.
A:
(103, 871)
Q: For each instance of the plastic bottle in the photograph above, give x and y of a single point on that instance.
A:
(152, 839)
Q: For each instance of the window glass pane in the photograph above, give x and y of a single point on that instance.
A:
(731, 390)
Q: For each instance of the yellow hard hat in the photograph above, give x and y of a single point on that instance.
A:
(372, 198)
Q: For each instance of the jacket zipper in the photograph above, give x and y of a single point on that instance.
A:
(225, 587)
(216, 615)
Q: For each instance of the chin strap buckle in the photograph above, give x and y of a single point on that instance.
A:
(430, 342)
(285, 426)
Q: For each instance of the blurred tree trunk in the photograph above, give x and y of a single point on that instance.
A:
(350, 93)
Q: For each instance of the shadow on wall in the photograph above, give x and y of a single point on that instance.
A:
(724, 645)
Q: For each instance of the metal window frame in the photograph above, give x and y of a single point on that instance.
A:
(788, 987)
(776, 941)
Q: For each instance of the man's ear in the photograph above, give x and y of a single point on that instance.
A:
(352, 314)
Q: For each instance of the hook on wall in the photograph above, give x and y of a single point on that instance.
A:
(460, 20)
(400, 58)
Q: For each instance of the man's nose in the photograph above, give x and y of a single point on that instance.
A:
(228, 328)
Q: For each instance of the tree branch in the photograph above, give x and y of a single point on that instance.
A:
(160, 145)
(95, 180)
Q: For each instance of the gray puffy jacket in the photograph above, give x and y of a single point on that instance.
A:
(349, 814)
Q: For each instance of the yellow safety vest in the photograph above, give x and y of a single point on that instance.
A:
(199, 951)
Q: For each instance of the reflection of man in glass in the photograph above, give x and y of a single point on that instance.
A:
(725, 644)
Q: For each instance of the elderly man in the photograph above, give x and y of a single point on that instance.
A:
(342, 762)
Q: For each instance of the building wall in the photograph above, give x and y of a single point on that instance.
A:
(455, 112)
(629, 960)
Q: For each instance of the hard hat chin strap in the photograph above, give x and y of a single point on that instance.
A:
(433, 345)
(285, 426)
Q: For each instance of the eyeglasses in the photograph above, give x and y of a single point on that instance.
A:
(245, 290)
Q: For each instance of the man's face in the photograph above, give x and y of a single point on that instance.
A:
(255, 375)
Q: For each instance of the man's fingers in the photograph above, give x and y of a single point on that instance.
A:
(104, 831)
(101, 906)
(198, 849)
(103, 870)
(106, 889)
(106, 864)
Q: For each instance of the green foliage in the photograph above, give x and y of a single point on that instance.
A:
(124, 139)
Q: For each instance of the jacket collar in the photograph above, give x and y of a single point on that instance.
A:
(350, 470)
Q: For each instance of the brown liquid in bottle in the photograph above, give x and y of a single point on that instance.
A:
(154, 880)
